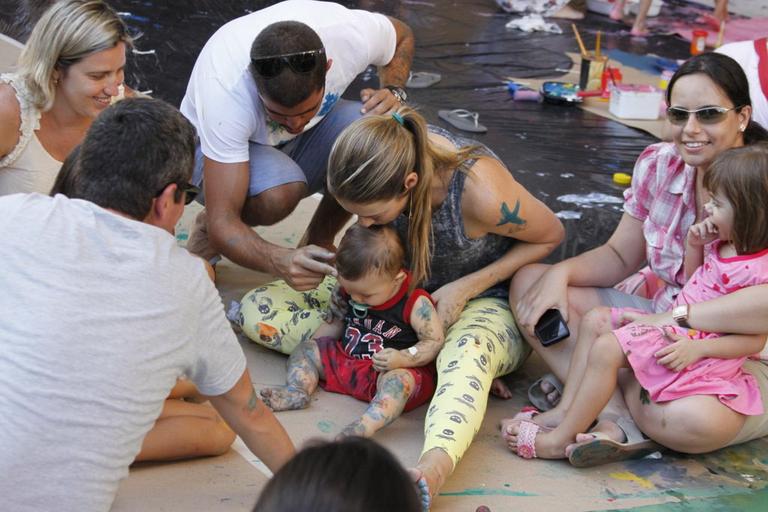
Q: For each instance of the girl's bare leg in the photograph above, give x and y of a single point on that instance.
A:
(597, 387)
(558, 357)
(593, 324)
(639, 26)
(721, 10)
(393, 391)
(304, 371)
(695, 424)
(186, 430)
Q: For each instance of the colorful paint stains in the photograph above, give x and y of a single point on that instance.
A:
(325, 426)
(485, 491)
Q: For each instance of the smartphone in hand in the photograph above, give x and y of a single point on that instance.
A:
(551, 328)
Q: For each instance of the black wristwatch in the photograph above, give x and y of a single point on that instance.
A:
(398, 92)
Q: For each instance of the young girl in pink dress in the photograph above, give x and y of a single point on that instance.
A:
(725, 252)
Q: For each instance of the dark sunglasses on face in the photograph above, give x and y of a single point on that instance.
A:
(190, 191)
(299, 62)
(704, 115)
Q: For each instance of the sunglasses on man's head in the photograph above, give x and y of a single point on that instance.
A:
(704, 115)
(299, 62)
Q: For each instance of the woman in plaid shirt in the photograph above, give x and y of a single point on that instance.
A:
(709, 112)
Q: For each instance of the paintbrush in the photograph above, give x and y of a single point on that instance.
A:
(597, 46)
(584, 52)
(720, 35)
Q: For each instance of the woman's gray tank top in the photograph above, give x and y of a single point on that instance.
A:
(454, 255)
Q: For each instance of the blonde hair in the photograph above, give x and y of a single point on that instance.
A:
(372, 157)
(68, 31)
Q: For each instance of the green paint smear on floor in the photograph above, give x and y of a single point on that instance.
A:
(749, 499)
(487, 492)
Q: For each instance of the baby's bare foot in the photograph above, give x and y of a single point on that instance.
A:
(500, 389)
(285, 398)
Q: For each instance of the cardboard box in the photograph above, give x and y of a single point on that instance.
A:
(630, 101)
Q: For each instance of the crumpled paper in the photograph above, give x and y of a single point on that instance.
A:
(534, 23)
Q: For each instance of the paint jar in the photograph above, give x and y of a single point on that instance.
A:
(591, 72)
(698, 41)
(611, 76)
(666, 76)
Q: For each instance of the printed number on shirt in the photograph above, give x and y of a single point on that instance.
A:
(362, 347)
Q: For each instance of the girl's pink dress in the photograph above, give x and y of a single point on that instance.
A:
(724, 378)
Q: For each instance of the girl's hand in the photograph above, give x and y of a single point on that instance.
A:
(337, 306)
(388, 359)
(682, 353)
(549, 292)
(702, 233)
(450, 300)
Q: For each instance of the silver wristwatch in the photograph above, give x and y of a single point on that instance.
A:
(398, 92)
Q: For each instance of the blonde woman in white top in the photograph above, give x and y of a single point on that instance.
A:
(70, 70)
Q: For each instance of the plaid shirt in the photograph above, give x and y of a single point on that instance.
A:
(663, 196)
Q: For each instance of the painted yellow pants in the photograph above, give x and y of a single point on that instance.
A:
(484, 343)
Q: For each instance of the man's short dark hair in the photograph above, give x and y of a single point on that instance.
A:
(282, 38)
(132, 151)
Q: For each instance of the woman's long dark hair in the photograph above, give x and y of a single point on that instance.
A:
(730, 78)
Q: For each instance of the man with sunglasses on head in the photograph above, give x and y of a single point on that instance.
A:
(265, 96)
(101, 312)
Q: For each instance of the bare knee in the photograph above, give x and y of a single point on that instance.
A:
(697, 424)
(222, 438)
(606, 353)
(397, 382)
(597, 320)
(273, 205)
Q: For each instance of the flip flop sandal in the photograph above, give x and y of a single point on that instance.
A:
(525, 414)
(422, 79)
(538, 397)
(601, 450)
(463, 120)
(526, 439)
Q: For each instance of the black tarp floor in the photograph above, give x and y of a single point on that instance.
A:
(553, 151)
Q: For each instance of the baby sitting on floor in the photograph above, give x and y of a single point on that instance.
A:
(382, 351)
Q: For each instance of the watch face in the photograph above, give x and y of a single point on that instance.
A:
(399, 93)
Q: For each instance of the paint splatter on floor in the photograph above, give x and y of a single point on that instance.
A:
(325, 426)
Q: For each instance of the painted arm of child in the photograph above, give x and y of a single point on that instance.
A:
(685, 351)
(699, 235)
(429, 330)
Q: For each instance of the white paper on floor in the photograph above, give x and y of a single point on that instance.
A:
(239, 447)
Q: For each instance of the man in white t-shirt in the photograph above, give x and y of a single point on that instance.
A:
(101, 312)
(265, 96)
(752, 56)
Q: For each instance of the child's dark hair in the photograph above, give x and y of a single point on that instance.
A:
(349, 475)
(741, 175)
(374, 249)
